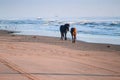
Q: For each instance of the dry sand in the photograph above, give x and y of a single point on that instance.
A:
(47, 58)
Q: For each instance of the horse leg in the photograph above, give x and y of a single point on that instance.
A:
(62, 35)
(74, 38)
(65, 36)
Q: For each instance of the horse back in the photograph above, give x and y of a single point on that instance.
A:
(73, 31)
(64, 28)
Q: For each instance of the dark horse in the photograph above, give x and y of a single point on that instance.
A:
(73, 34)
(63, 31)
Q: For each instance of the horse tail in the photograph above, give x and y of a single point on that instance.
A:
(61, 28)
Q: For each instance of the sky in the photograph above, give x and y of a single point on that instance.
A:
(60, 8)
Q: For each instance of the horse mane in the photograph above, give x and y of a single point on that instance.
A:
(67, 25)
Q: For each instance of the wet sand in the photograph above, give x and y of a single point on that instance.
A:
(47, 58)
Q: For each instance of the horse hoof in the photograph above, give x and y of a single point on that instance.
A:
(61, 39)
(73, 41)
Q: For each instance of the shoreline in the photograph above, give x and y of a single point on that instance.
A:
(79, 45)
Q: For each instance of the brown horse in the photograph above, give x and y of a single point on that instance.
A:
(73, 34)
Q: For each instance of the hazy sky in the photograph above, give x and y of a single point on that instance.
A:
(61, 8)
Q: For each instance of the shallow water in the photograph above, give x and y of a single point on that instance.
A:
(95, 30)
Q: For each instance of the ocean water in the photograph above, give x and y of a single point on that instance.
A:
(93, 30)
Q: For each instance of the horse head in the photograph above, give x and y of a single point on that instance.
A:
(67, 26)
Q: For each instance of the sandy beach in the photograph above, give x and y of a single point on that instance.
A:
(49, 58)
